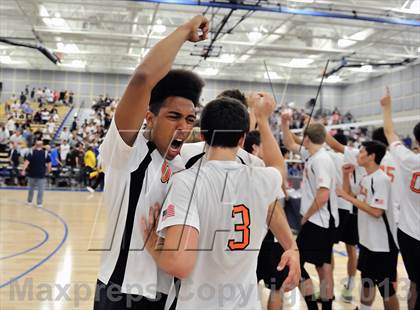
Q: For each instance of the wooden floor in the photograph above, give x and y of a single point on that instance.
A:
(46, 260)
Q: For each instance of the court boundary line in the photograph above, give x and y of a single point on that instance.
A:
(46, 237)
(25, 188)
(45, 259)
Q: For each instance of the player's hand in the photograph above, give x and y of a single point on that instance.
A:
(347, 169)
(303, 220)
(265, 106)
(386, 100)
(285, 117)
(252, 100)
(341, 192)
(290, 258)
(148, 226)
(198, 28)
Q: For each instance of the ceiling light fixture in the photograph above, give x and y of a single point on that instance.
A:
(67, 48)
(75, 64)
(9, 61)
(333, 79)
(159, 27)
(272, 75)
(344, 43)
(411, 7)
(300, 62)
(254, 35)
(209, 71)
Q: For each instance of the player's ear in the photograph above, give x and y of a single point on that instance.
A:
(242, 140)
(149, 119)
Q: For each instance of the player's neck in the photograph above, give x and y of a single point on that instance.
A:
(222, 153)
(371, 167)
(313, 148)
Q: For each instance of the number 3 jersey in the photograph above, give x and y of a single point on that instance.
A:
(228, 204)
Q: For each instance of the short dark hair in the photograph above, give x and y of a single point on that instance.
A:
(379, 135)
(235, 94)
(341, 138)
(416, 132)
(316, 133)
(253, 137)
(377, 148)
(223, 122)
(177, 83)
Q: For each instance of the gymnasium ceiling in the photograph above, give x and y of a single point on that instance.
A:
(112, 36)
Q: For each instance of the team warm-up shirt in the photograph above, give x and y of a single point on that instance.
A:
(375, 190)
(388, 165)
(409, 163)
(227, 202)
(338, 160)
(120, 161)
(319, 172)
(191, 150)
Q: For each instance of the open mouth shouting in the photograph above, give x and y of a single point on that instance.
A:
(175, 147)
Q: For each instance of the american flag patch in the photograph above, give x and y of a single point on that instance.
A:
(379, 201)
(169, 212)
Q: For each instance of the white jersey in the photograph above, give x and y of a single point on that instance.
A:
(141, 275)
(194, 153)
(375, 190)
(338, 160)
(319, 172)
(227, 203)
(409, 164)
(388, 165)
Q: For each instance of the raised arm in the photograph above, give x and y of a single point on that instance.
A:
(334, 144)
(288, 140)
(386, 104)
(134, 103)
(271, 149)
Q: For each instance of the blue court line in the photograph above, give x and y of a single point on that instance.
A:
(44, 260)
(340, 253)
(46, 236)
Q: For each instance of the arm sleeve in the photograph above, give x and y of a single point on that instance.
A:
(324, 177)
(404, 156)
(115, 152)
(179, 208)
(381, 195)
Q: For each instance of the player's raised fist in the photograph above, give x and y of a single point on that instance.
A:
(285, 117)
(348, 169)
(386, 100)
(265, 106)
(198, 28)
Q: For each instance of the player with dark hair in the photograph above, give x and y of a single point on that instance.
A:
(408, 227)
(225, 207)
(378, 250)
(138, 165)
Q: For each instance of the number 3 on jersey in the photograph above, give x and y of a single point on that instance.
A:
(243, 228)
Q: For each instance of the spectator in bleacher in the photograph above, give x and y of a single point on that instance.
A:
(38, 163)
(54, 115)
(56, 163)
(18, 140)
(89, 164)
(45, 116)
(64, 151)
(28, 135)
(4, 137)
(11, 125)
(74, 139)
(33, 93)
(46, 136)
(37, 117)
(14, 157)
(74, 124)
(22, 98)
(65, 134)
